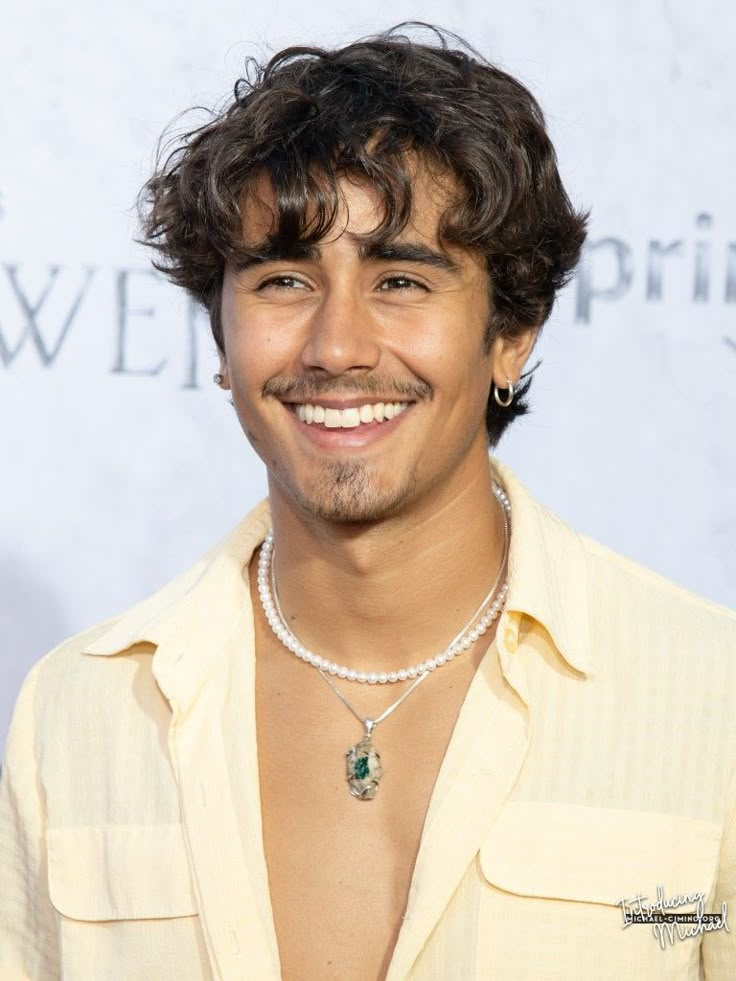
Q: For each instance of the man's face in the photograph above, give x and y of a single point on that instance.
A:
(316, 343)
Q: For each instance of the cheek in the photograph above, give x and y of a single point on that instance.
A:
(453, 363)
(252, 346)
(255, 355)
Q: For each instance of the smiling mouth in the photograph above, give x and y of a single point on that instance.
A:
(350, 417)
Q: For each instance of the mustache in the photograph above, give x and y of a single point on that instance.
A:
(306, 387)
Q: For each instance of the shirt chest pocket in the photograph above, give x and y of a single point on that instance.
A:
(126, 904)
(552, 880)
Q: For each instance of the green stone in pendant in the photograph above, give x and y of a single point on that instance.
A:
(363, 769)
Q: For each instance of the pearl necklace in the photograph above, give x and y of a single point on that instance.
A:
(462, 641)
(363, 761)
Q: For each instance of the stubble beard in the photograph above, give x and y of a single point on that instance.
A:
(348, 492)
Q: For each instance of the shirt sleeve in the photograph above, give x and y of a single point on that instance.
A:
(28, 936)
(718, 947)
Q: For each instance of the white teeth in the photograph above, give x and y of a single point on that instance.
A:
(349, 418)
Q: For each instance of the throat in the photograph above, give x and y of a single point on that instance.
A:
(372, 641)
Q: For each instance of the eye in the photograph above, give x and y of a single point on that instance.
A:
(281, 282)
(401, 283)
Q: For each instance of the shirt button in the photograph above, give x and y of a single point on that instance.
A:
(509, 639)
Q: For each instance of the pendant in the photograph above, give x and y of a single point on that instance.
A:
(364, 766)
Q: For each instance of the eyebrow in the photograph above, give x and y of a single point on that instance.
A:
(371, 252)
(409, 252)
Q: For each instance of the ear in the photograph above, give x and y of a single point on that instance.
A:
(223, 369)
(509, 355)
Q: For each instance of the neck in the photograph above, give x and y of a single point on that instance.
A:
(395, 592)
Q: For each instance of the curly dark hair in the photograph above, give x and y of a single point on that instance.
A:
(311, 115)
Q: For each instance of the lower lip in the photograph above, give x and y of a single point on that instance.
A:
(357, 437)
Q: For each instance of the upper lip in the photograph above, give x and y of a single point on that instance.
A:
(343, 403)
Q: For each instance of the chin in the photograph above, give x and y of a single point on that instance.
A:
(349, 494)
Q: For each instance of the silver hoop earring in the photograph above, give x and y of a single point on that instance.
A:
(217, 378)
(504, 403)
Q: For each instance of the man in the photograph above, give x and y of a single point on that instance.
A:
(402, 722)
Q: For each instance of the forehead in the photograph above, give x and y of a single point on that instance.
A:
(360, 208)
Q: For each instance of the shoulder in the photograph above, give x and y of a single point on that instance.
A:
(571, 578)
(43, 699)
(117, 633)
(647, 633)
(94, 691)
(95, 652)
(106, 667)
(617, 583)
(66, 681)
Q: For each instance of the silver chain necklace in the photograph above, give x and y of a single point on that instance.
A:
(363, 760)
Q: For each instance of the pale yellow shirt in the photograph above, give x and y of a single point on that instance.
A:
(593, 760)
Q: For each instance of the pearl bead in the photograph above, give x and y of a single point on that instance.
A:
(291, 642)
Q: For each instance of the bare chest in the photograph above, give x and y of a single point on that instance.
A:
(340, 868)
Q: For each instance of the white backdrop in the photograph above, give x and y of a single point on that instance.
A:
(122, 462)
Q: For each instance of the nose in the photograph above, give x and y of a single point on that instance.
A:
(342, 336)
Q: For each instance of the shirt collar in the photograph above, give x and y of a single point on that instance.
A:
(203, 601)
(547, 573)
(547, 582)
